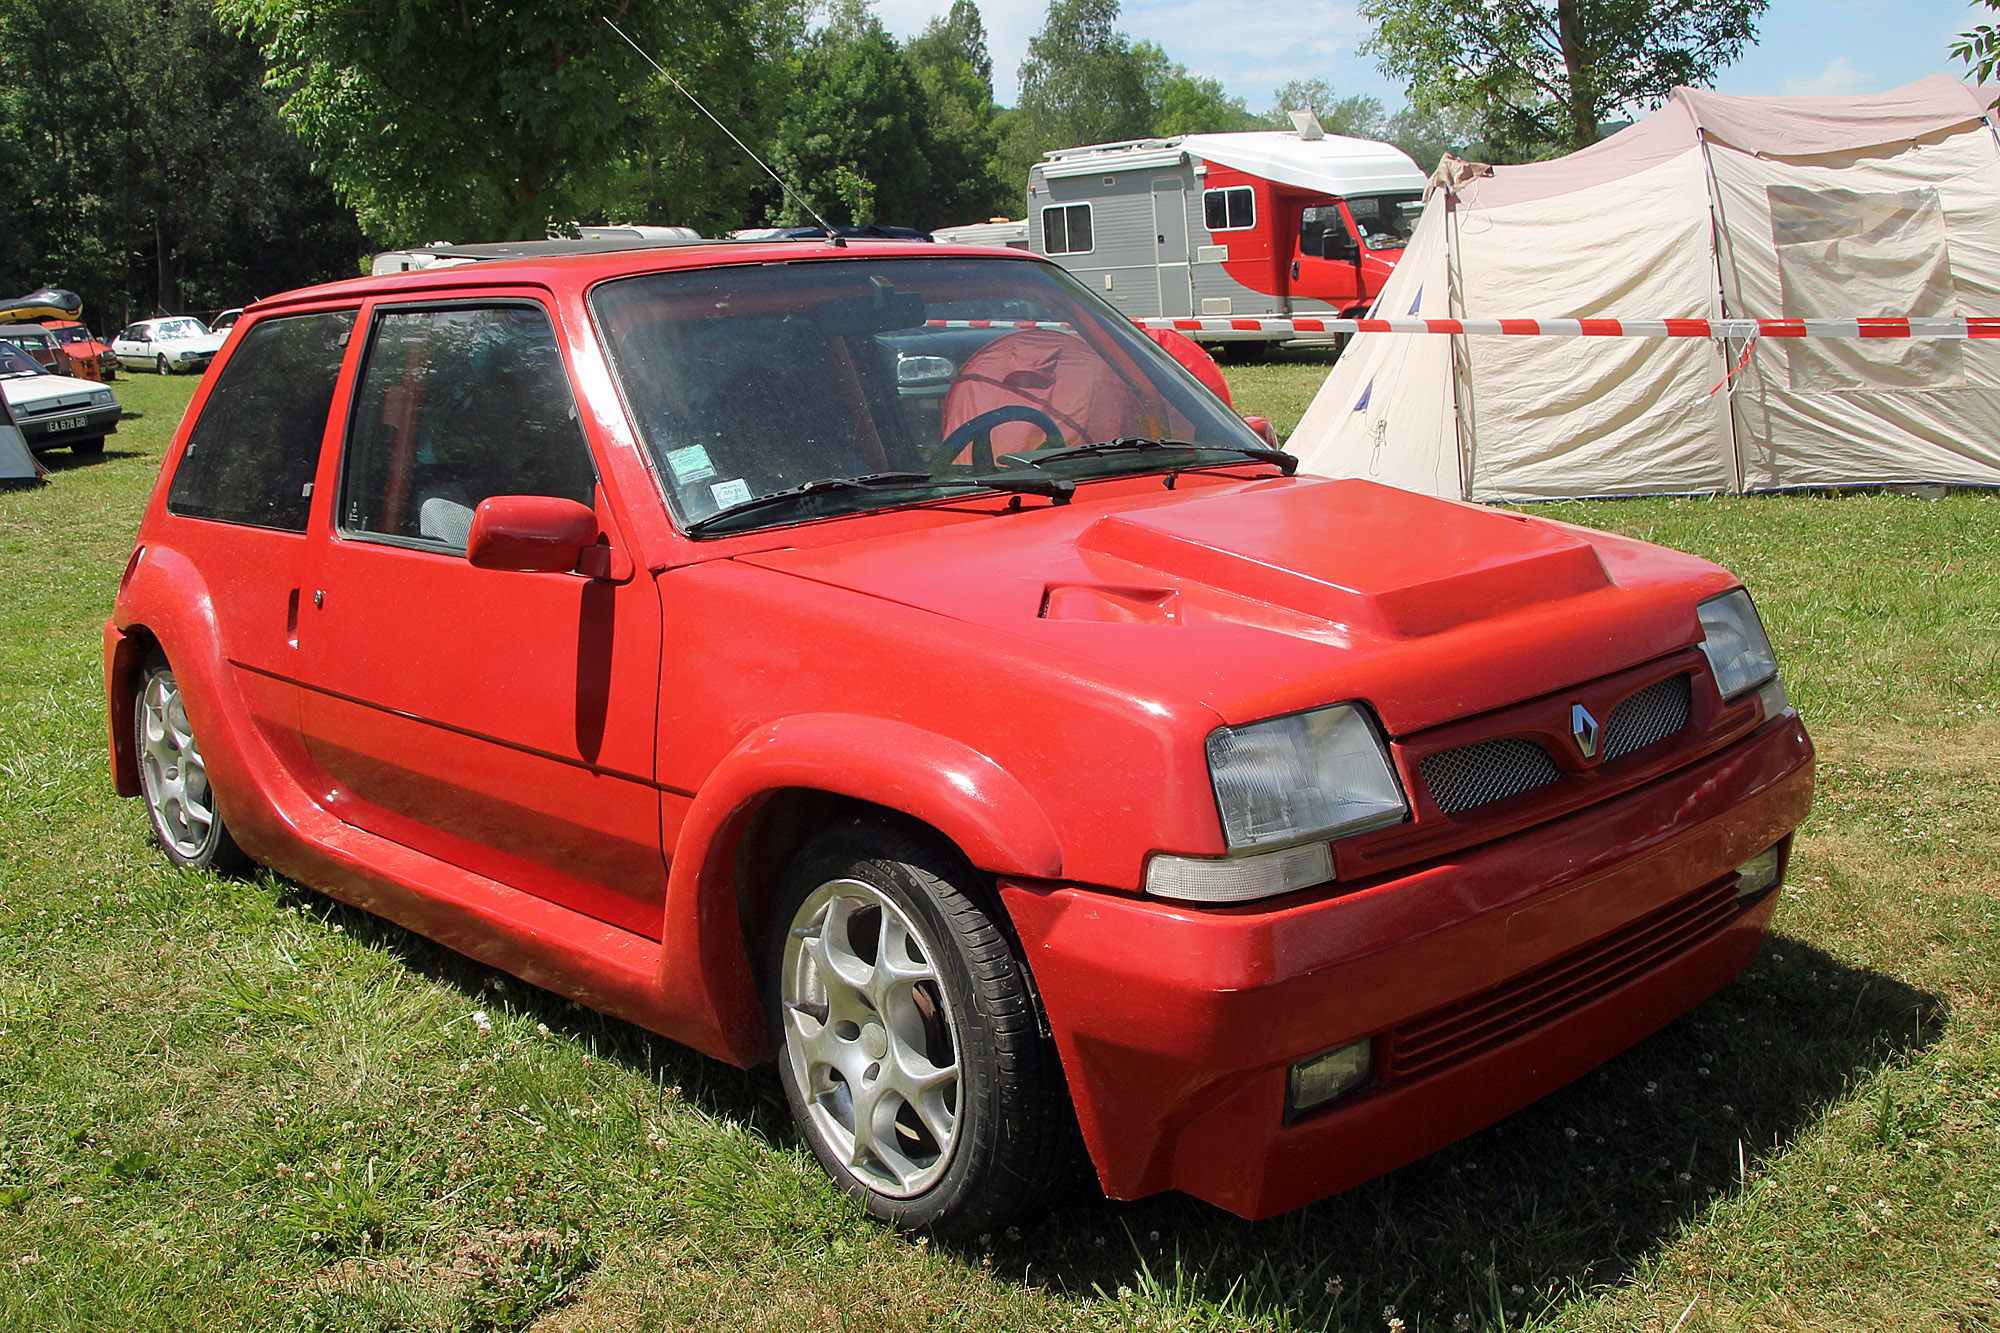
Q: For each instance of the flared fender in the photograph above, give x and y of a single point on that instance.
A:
(706, 971)
(169, 602)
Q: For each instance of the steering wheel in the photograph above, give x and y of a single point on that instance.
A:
(977, 432)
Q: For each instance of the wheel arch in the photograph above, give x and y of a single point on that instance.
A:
(777, 788)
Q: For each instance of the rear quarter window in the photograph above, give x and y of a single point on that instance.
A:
(251, 456)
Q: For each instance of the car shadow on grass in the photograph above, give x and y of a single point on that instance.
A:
(749, 1097)
(1566, 1197)
(66, 460)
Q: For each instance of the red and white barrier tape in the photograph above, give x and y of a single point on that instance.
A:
(1981, 327)
(993, 324)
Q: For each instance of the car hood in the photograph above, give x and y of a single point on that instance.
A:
(48, 391)
(1261, 598)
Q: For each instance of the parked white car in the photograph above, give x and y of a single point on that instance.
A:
(169, 345)
(55, 410)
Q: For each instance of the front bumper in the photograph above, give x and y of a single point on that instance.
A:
(53, 430)
(1486, 979)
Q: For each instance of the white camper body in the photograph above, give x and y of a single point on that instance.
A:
(1256, 223)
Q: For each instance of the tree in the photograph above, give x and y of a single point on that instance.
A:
(440, 120)
(955, 71)
(1356, 115)
(145, 160)
(1080, 83)
(853, 139)
(1184, 103)
(1547, 73)
(1980, 48)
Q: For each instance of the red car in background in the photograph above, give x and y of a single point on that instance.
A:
(884, 659)
(92, 358)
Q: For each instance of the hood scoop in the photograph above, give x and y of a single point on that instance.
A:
(1118, 606)
(1381, 561)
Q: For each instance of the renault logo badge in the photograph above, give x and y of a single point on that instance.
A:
(1583, 727)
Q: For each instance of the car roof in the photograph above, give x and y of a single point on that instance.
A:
(578, 270)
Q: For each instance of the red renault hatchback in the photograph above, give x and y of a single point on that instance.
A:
(885, 660)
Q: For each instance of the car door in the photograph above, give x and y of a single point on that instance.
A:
(498, 720)
(130, 348)
(1326, 260)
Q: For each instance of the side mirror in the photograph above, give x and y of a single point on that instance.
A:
(534, 534)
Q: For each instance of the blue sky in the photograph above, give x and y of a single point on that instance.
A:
(1252, 46)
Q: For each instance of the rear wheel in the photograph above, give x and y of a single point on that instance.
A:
(909, 1037)
(174, 779)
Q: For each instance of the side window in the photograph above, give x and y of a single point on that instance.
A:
(455, 406)
(1323, 233)
(1066, 229)
(251, 456)
(1232, 209)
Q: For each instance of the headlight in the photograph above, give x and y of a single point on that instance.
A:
(1733, 637)
(1319, 774)
(102, 398)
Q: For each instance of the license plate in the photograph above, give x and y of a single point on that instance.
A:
(61, 424)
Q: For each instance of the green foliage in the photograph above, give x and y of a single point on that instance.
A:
(1980, 48)
(440, 121)
(1425, 135)
(144, 160)
(956, 72)
(1185, 104)
(1545, 74)
(878, 132)
(853, 137)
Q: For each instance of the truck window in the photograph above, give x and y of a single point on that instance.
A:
(1066, 229)
(1231, 209)
(1386, 220)
(1323, 233)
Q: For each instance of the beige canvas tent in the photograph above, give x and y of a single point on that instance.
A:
(1712, 207)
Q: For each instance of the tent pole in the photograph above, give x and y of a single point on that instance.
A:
(1719, 233)
(1463, 432)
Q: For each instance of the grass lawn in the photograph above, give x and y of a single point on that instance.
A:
(236, 1104)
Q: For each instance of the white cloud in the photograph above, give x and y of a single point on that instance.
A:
(1839, 78)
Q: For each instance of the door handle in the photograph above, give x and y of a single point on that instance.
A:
(1295, 270)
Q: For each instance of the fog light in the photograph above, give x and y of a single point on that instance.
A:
(1317, 1081)
(1759, 874)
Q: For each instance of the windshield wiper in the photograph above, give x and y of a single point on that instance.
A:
(1286, 463)
(1055, 488)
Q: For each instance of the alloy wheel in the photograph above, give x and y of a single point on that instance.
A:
(871, 1037)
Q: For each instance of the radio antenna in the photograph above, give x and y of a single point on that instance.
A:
(833, 237)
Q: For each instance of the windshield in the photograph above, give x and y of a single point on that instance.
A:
(1386, 220)
(76, 335)
(180, 328)
(15, 363)
(747, 381)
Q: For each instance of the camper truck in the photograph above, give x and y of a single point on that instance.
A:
(1267, 222)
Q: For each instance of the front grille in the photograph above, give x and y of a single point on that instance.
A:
(1486, 771)
(1647, 718)
(1518, 1006)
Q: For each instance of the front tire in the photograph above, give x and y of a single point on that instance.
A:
(160, 364)
(909, 1037)
(173, 779)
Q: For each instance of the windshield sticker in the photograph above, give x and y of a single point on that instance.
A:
(690, 464)
(729, 493)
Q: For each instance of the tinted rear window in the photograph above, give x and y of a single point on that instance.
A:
(251, 457)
